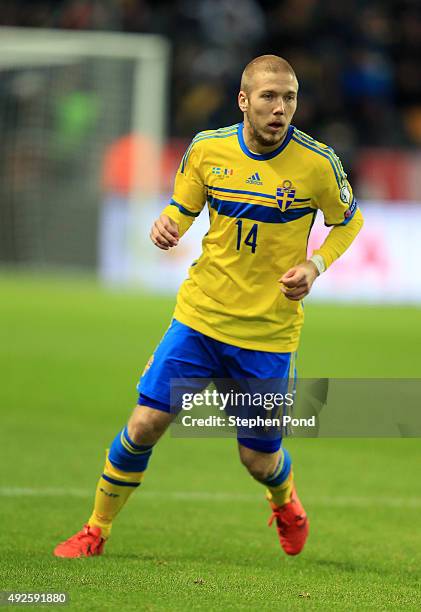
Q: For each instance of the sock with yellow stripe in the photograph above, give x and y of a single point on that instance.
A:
(281, 482)
(125, 466)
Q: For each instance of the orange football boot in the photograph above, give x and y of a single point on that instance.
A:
(291, 523)
(86, 543)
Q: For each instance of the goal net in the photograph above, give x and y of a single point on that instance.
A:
(82, 120)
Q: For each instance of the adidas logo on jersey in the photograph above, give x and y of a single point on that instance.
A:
(254, 179)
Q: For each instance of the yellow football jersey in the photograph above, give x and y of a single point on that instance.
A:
(261, 210)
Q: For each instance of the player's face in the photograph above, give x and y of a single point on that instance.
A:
(269, 108)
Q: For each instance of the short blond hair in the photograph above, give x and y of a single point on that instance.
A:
(264, 63)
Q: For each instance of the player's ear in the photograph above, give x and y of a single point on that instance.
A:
(243, 101)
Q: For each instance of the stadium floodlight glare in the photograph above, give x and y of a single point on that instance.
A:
(68, 96)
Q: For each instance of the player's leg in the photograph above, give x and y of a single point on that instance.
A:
(274, 471)
(266, 374)
(125, 466)
(263, 375)
(126, 463)
(181, 354)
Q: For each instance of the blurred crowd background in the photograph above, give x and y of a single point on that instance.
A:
(358, 63)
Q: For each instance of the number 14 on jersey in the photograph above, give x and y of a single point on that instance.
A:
(250, 240)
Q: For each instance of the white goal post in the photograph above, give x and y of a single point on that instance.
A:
(31, 47)
(116, 84)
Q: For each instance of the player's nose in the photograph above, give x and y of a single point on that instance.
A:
(279, 108)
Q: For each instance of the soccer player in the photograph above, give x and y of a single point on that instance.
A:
(239, 313)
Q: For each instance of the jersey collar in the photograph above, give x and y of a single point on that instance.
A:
(263, 156)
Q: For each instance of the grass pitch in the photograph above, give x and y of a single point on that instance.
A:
(195, 536)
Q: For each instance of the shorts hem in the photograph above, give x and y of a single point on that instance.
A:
(145, 400)
(262, 446)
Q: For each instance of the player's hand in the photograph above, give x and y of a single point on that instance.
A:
(164, 233)
(297, 282)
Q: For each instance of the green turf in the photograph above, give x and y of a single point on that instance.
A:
(195, 537)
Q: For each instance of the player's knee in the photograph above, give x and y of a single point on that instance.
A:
(259, 465)
(259, 471)
(146, 425)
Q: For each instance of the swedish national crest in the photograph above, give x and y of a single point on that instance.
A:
(285, 195)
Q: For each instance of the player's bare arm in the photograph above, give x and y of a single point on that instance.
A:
(164, 233)
(296, 283)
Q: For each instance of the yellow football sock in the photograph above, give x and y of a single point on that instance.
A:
(113, 490)
(281, 494)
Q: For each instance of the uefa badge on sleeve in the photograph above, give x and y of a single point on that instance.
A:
(285, 195)
(345, 193)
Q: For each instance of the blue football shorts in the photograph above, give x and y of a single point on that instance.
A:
(188, 355)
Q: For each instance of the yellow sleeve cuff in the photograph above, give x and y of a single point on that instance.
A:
(183, 221)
